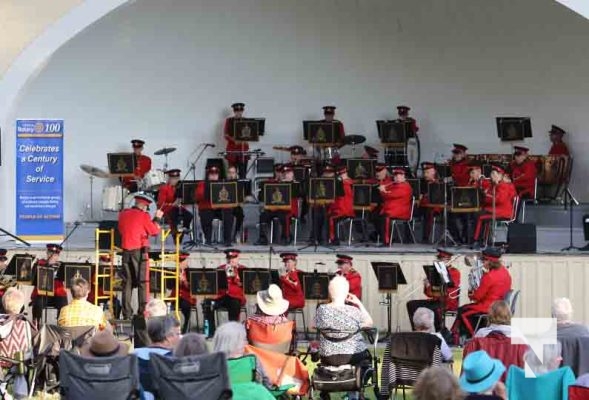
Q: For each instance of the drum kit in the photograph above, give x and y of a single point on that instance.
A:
(117, 197)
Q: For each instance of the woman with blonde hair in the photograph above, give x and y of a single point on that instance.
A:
(437, 383)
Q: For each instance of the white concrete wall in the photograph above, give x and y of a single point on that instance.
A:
(167, 71)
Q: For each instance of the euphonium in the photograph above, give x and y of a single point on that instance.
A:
(476, 272)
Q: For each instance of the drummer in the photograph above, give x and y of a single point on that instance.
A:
(459, 165)
(559, 147)
(370, 153)
(236, 150)
(169, 202)
(329, 116)
(297, 154)
(403, 112)
(142, 166)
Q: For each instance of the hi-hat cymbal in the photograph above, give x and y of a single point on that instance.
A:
(164, 151)
(354, 139)
(94, 171)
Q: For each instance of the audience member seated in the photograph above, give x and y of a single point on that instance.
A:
(16, 332)
(104, 344)
(231, 339)
(164, 334)
(481, 377)
(423, 320)
(437, 383)
(562, 310)
(499, 321)
(154, 308)
(271, 306)
(269, 328)
(80, 312)
(341, 341)
(548, 381)
(191, 344)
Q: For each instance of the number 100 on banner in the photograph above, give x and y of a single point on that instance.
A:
(39, 179)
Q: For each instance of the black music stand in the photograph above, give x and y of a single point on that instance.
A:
(440, 197)
(122, 165)
(206, 282)
(322, 191)
(360, 168)
(256, 279)
(315, 285)
(223, 194)
(510, 129)
(277, 196)
(394, 133)
(45, 284)
(389, 276)
(76, 270)
(105, 282)
(247, 129)
(20, 266)
(187, 191)
(465, 199)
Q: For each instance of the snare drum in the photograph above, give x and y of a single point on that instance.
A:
(112, 197)
(153, 180)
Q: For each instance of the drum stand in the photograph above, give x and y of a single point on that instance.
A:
(446, 236)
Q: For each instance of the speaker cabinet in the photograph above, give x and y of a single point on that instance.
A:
(521, 238)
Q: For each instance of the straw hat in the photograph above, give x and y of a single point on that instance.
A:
(104, 344)
(271, 301)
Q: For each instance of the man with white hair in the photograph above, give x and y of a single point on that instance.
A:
(423, 320)
(562, 310)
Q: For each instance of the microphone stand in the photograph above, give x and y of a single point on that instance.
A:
(194, 241)
(494, 217)
(572, 202)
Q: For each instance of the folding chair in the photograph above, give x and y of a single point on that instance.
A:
(193, 377)
(578, 392)
(113, 378)
(242, 373)
(393, 223)
(575, 354)
(275, 337)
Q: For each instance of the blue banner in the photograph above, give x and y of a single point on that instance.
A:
(39, 179)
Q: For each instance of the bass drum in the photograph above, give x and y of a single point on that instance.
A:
(413, 152)
(112, 197)
(130, 202)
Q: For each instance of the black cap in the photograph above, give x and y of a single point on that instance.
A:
(492, 253)
(238, 106)
(556, 130)
(232, 253)
(459, 148)
(297, 150)
(54, 248)
(288, 256)
(173, 173)
(371, 151)
(137, 143)
(329, 109)
(443, 253)
(403, 109)
(343, 259)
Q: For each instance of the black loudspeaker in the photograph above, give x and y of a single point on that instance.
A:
(521, 238)
(104, 240)
(586, 226)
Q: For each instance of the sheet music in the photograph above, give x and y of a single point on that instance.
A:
(442, 270)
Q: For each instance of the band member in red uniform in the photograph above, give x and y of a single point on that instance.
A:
(236, 150)
(104, 262)
(292, 290)
(396, 202)
(319, 213)
(232, 175)
(232, 298)
(297, 154)
(345, 269)
(430, 175)
(329, 116)
(559, 147)
(494, 285)
(459, 165)
(523, 173)
(185, 299)
(403, 112)
(206, 211)
(142, 166)
(439, 300)
(59, 298)
(283, 216)
(504, 197)
(168, 200)
(136, 227)
(343, 206)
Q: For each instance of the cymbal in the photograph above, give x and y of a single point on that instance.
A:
(354, 139)
(94, 171)
(164, 151)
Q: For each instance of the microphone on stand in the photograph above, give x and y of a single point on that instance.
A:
(209, 145)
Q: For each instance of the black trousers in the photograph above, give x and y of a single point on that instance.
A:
(319, 227)
(238, 214)
(206, 222)
(233, 307)
(179, 215)
(40, 303)
(185, 310)
(241, 166)
(433, 305)
(266, 218)
(134, 275)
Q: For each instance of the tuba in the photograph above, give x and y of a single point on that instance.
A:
(476, 272)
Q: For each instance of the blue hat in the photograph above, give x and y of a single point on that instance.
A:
(480, 372)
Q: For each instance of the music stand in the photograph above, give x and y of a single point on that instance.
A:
(394, 133)
(122, 165)
(76, 270)
(277, 196)
(105, 282)
(438, 197)
(510, 129)
(247, 129)
(415, 187)
(256, 279)
(465, 199)
(315, 285)
(360, 168)
(21, 266)
(320, 133)
(389, 276)
(206, 282)
(321, 192)
(223, 194)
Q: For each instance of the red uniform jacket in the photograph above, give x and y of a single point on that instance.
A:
(483, 183)
(184, 292)
(504, 194)
(397, 201)
(494, 286)
(292, 290)
(201, 200)
(343, 206)
(355, 280)
(166, 197)
(559, 149)
(143, 167)
(523, 177)
(460, 172)
(232, 145)
(235, 287)
(136, 227)
(58, 286)
(452, 293)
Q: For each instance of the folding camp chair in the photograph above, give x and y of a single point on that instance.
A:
(242, 371)
(280, 338)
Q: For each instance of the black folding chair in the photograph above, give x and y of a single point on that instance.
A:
(112, 378)
(193, 377)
